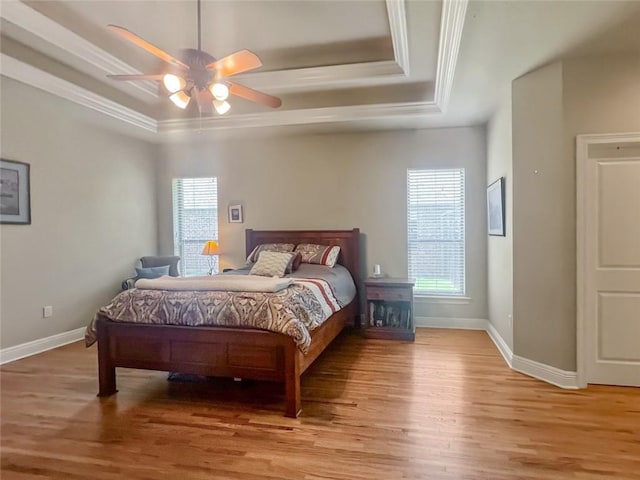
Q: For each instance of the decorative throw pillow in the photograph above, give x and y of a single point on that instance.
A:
(269, 247)
(271, 264)
(294, 263)
(318, 254)
(152, 272)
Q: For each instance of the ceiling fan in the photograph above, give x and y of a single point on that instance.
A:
(199, 75)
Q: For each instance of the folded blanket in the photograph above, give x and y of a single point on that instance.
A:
(218, 283)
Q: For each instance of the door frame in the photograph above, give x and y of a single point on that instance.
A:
(582, 156)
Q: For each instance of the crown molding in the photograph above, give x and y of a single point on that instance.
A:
(42, 26)
(398, 25)
(451, 25)
(332, 76)
(452, 22)
(25, 73)
(300, 117)
(354, 74)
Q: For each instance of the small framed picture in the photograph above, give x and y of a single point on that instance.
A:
(495, 208)
(15, 194)
(235, 214)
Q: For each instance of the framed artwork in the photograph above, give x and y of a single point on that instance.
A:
(235, 214)
(495, 208)
(15, 194)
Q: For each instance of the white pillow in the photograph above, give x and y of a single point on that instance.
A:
(271, 264)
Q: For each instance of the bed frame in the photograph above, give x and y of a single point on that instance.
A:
(225, 351)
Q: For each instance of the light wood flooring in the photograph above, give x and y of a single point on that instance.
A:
(446, 407)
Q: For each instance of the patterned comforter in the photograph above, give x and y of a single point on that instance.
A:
(294, 311)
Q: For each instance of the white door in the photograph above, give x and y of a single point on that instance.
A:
(609, 222)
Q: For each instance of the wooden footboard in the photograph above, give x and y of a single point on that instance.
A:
(212, 351)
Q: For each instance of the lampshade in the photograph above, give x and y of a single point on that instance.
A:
(180, 99)
(211, 248)
(221, 107)
(173, 83)
(220, 91)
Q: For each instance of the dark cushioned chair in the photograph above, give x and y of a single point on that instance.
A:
(155, 261)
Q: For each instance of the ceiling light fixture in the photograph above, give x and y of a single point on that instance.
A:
(219, 90)
(181, 99)
(173, 83)
(221, 107)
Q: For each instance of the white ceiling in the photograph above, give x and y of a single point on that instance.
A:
(345, 64)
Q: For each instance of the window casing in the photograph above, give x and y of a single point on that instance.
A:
(436, 231)
(195, 220)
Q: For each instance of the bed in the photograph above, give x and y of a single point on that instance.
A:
(227, 351)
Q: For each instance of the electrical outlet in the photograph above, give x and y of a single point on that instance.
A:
(47, 311)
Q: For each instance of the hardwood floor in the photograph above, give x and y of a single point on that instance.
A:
(446, 407)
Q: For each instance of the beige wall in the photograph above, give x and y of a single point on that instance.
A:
(336, 181)
(500, 249)
(93, 214)
(550, 107)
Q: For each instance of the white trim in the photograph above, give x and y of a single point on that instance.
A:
(398, 25)
(582, 272)
(34, 347)
(541, 371)
(329, 77)
(300, 117)
(48, 30)
(459, 323)
(451, 25)
(547, 373)
(441, 299)
(503, 348)
(25, 73)
(452, 22)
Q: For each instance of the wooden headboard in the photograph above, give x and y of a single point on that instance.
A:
(347, 240)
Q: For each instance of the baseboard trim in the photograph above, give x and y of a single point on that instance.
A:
(11, 354)
(542, 371)
(459, 323)
(502, 346)
(546, 373)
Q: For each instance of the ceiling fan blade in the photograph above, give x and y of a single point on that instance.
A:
(254, 95)
(157, 77)
(204, 98)
(238, 62)
(142, 43)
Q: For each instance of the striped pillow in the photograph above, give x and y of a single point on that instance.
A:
(271, 264)
(269, 247)
(318, 254)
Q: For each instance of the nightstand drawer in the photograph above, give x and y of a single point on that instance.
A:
(387, 293)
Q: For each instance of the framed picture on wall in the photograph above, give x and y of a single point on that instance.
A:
(15, 194)
(495, 208)
(235, 214)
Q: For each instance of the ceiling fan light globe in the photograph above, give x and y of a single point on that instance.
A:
(173, 83)
(221, 107)
(219, 91)
(180, 99)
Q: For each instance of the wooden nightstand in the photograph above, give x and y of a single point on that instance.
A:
(389, 309)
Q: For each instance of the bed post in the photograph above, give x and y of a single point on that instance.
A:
(106, 371)
(292, 380)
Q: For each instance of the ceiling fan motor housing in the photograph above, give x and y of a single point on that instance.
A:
(198, 72)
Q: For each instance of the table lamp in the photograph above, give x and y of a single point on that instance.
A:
(211, 248)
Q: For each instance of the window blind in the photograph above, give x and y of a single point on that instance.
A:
(195, 220)
(435, 231)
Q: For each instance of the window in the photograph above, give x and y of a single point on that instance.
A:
(435, 224)
(195, 220)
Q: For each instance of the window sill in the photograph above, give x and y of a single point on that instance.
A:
(442, 299)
